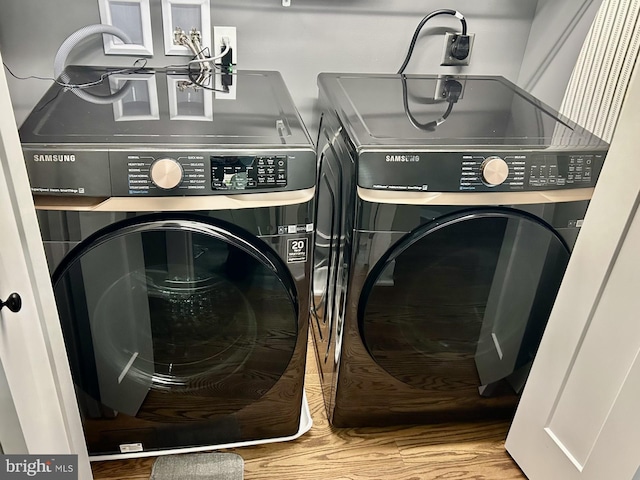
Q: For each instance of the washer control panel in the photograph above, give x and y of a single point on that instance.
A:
(179, 174)
(147, 174)
(169, 172)
(230, 172)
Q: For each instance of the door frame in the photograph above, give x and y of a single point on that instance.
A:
(584, 306)
(36, 365)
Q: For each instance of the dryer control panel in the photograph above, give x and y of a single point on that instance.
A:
(482, 172)
(518, 172)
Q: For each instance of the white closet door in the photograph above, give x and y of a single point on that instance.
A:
(32, 356)
(579, 417)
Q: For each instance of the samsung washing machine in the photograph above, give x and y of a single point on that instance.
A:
(177, 225)
(447, 210)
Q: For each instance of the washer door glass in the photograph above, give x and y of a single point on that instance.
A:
(174, 320)
(460, 304)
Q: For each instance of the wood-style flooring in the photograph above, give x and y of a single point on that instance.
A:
(428, 452)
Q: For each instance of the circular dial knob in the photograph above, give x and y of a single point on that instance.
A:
(166, 173)
(494, 171)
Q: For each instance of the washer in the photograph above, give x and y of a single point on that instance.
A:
(447, 210)
(177, 223)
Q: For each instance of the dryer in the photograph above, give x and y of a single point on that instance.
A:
(177, 227)
(446, 213)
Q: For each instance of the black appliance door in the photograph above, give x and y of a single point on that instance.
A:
(460, 304)
(172, 322)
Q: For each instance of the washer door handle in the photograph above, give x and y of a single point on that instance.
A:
(13, 303)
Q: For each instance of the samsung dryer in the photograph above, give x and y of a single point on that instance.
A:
(447, 210)
(177, 227)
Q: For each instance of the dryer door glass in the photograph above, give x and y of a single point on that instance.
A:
(173, 322)
(460, 304)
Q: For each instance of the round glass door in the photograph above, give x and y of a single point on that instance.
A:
(460, 304)
(159, 313)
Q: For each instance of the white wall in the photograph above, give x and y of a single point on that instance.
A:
(557, 34)
(11, 438)
(300, 41)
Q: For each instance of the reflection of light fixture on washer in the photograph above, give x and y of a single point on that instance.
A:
(188, 101)
(140, 101)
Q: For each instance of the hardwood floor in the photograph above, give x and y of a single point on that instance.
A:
(444, 451)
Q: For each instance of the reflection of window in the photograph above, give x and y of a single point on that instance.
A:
(188, 102)
(140, 102)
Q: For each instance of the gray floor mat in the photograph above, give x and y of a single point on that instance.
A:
(199, 466)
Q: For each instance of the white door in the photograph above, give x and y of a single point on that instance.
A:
(37, 400)
(579, 417)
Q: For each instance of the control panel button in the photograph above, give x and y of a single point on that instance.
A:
(166, 173)
(494, 171)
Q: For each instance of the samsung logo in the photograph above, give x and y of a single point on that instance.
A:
(402, 158)
(54, 158)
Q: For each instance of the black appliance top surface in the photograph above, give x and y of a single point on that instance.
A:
(165, 107)
(430, 111)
